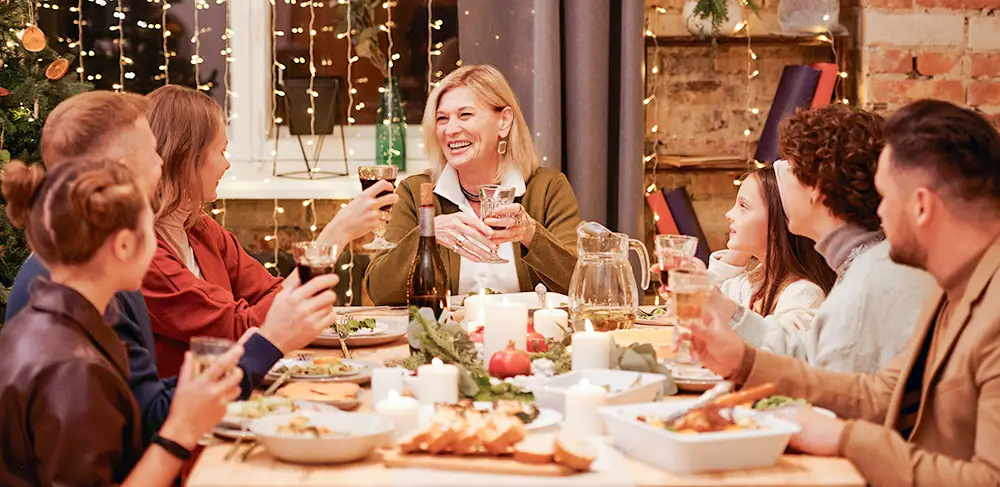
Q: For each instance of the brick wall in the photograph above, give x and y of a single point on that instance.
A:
(947, 49)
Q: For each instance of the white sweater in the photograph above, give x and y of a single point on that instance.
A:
(796, 303)
(867, 318)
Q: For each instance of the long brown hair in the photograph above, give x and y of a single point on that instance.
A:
(70, 212)
(789, 257)
(185, 122)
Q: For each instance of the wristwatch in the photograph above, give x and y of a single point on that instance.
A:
(171, 447)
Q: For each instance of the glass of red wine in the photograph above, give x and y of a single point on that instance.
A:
(370, 175)
(492, 197)
(314, 259)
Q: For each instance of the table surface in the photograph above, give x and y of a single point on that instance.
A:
(261, 469)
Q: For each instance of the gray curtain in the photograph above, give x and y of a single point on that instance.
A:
(577, 68)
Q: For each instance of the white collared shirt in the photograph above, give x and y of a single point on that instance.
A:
(475, 276)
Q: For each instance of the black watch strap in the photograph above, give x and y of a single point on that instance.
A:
(171, 446)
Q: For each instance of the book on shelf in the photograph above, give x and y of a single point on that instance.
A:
(796, 89)
(686, 160)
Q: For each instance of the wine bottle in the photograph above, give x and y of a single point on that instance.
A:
(429, 286)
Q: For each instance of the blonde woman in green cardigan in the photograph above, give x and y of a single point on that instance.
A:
(475, 134)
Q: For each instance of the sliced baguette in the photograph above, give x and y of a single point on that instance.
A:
(411, 443)
(445, 435)
(536, 450)
(574, 451)
(469, 441)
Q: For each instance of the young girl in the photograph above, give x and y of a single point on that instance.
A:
(766, 268)
(66, 410)
(201, 281)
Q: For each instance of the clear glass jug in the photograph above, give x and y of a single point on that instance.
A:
(603, 288)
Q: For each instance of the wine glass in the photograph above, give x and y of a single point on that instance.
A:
(673, 252)
(491, 197)
(689, 291)
(370, 175)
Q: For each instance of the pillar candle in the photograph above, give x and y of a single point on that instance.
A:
(582, 403)
(386, 379)
(591, 349)
(505, 322)
(473, 323)
(403, 411)
(551, 323)
(437, 383)
(475, 304)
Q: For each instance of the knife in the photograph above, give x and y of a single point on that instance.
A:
(710, 395)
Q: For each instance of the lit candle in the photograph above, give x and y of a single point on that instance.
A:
(472, 325)
(591, 349)
(475, 304)
(582, 403)
(437, 383)
(386, 380)
(505, 322)
(551, 323)
(403, 411)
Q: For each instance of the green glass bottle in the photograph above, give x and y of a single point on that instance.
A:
(391, 129)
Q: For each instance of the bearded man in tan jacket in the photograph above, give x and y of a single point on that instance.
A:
(931, 416)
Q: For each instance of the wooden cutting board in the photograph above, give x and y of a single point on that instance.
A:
(480, 464)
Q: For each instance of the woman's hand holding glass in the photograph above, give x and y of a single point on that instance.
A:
(465, 234)
(361, 216)
(201, 398)
(514, 226)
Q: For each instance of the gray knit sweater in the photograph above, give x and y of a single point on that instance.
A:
(867, 318)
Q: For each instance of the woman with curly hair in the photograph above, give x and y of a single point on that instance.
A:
(827, 184)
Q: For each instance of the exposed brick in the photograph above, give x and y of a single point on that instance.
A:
(933, 63)
(891, 61)
(984, 64)
(984, 93)
(994, 118)
(959, 4)
(914, 29)
(984, 33)
(906, 90)
(887, 4)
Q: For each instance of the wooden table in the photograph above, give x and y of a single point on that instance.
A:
(261, 469)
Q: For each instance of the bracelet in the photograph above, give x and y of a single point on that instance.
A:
(171, 447)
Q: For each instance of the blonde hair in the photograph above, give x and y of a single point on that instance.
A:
(490, 88)
(185, 122)
(83, 125)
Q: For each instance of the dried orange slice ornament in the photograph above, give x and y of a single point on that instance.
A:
(33, 39)
(57, 69)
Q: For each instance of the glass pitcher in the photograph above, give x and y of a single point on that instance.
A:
(603, 288)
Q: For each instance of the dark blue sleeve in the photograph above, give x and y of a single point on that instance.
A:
(29, 271)
(259, 355)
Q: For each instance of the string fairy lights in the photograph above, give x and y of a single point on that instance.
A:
(276, 68)
(652, 84)
(120, 15)
(165, 67)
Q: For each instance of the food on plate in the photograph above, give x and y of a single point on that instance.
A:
(710, 418)
(354, 326)
(301, 425)
(510, 362)
(574, 451)
(319, 366)
(320, 392)
(258, 407)
(521, 410)
(778, 401)
(486, 291)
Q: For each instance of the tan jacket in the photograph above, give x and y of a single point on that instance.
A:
(954, 442)
(548, 199)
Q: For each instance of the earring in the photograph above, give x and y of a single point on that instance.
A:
(502, 147)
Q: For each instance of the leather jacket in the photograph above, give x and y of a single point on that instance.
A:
(67, 416)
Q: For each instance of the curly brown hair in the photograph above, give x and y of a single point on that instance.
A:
(835, 149)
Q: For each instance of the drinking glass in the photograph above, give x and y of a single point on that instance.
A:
(314, 259)
(491, 197)
(370, 175)
(205, 350)
(689, 291)
(673, 252)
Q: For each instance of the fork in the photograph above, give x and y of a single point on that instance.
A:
(343, 334)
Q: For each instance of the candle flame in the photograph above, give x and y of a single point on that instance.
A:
(437, 362)
(584, 382)
(589, 326)
(482, 292)
(393, 395)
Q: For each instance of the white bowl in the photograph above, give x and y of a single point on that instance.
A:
(551, 393)
(694, 453)
(364, 432)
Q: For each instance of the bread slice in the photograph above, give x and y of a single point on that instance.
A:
(574, 451)
(506, 431)
(411, 443)
(469, 441)
(536, 450)
(445, 434)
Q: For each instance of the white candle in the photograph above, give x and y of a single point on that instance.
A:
(505, 322)
(591, 349)
(386, 380)
(582, 402)
(473, 323)
(403, 411)
(551, 323)
(437, 383)
(475, 304)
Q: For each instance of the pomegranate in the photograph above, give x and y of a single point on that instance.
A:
(476, 336)
(510, 362)
(536, 341)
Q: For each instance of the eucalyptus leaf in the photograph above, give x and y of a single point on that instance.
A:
(467, 386)
(631, 360)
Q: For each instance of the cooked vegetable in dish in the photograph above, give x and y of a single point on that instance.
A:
(259, 407)
(301, 426)
(354, 326)
(321, 366)
(703, 420)
(778, 401)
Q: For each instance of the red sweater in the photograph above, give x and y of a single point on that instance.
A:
(234, 294)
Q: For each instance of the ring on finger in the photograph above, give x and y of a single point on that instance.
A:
(458, 246)
(460, 239)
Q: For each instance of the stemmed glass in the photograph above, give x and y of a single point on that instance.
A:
(370, 175)
(673, 252)
(689, 291)
(491, 197)
(313, 259)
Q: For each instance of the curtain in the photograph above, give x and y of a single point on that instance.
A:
(577, 69)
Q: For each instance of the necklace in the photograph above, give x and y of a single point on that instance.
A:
(469, 195)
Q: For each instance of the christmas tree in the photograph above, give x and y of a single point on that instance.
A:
(32, 82)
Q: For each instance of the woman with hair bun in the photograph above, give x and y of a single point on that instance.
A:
(66, 410)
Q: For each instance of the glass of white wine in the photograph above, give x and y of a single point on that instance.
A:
(689, 291)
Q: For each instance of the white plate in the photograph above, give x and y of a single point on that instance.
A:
(233, 426)
(546, 417)
(362, 374)
(388, 329)
(380, 328)
(291, 362)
